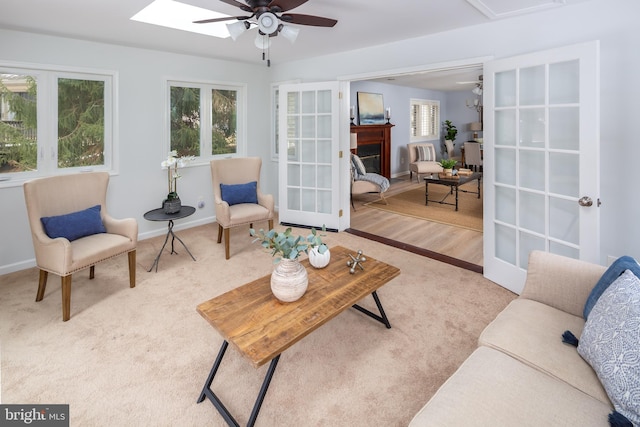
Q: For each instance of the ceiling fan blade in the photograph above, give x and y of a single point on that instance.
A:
(316, 21)
(238, 4)
(278, 6)
(227, 18)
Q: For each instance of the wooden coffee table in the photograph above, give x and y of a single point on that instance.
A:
(274, 326)
(453, 183)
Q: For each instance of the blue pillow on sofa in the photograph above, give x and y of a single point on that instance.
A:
(74, 225)
(613, 272)
(235, 194)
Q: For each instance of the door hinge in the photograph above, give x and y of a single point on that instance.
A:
(339, 95)
(340, 154)
(340, 213)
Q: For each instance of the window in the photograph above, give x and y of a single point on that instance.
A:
(53, 121)
(425, 119)
(205, 119)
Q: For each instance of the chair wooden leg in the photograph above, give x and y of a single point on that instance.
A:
(66, 297)
(92, 272)
(219, 233)
(132, 269)
(42, 284)
(270, 224)
(226, 243)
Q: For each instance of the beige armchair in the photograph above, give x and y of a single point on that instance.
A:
(241, 207)
(55, 196)
(427, 165)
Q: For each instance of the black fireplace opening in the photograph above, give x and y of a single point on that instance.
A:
(370, 156)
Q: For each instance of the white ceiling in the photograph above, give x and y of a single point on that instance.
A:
(361, 23)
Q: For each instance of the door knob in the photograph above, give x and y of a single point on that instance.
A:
(585, 201)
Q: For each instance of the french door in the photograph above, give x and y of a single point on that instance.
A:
(541, 177)
(309, 178)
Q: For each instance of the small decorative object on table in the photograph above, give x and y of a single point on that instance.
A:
(356, 262)
(172, 203)
(289, 279)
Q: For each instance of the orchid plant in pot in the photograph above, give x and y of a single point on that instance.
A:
(172, 203)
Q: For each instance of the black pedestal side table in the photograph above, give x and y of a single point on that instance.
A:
(159, 215)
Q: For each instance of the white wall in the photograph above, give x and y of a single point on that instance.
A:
(613, 22)
(140, 184)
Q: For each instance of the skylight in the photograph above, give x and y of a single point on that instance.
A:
(173, 14)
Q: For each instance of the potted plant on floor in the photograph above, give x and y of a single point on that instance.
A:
(450, 131)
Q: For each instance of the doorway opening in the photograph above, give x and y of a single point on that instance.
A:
(457, 246)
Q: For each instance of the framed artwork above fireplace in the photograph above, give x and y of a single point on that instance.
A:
(370, 108)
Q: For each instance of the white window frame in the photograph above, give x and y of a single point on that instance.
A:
(422, 134)
(47, 115)
(206, 87)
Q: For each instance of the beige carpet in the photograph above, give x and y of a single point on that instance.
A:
(411, 203)
(139, 357)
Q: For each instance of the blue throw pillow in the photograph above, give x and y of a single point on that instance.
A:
(74, 225)
(235, 194)
(613, 272)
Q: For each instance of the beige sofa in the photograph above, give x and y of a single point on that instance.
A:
(522, 373)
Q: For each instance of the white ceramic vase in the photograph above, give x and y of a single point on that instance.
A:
(289, 280)
(318, 260)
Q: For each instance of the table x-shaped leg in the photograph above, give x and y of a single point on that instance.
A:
(382, 317)
(208, 393)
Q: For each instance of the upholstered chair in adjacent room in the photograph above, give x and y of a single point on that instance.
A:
(422, 159)
(473, 155)
(363, 182)
(72, 230)
(237, 196)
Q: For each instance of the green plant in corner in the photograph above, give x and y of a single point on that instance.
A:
(286, 245)
(451, 131)
(448, 163)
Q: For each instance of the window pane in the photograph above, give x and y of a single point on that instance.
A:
(185, 121)
(80, 123)
(224, 115)
(18, 123)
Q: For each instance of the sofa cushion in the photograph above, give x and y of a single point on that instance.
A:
(235, 194)
(610, 342)
(493, 389)
(612, 273)
(74, 225)
(531, 332)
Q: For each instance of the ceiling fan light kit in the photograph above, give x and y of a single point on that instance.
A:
(265, 15)
(236, 29)
(268, 23)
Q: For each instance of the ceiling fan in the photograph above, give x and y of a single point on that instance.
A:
(270, 17)
(272, 8)
(479, 85)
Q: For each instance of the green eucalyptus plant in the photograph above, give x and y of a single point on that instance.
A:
(448, 163)
(286, 245)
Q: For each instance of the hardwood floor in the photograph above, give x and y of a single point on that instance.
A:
(450, 244)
